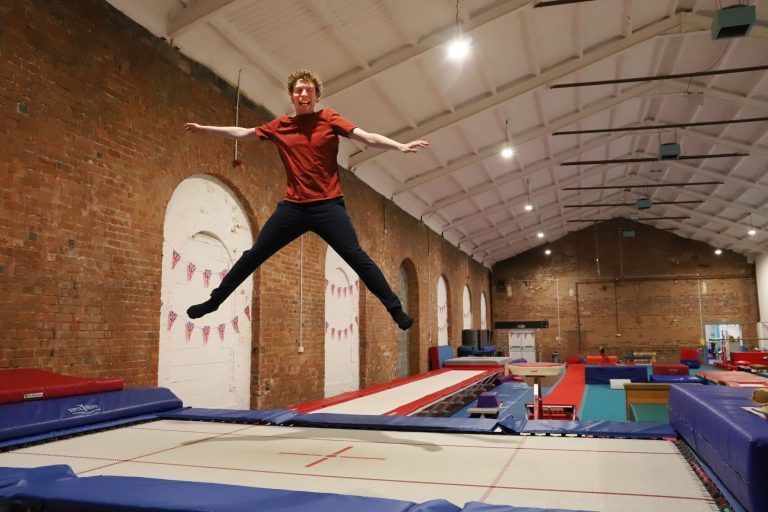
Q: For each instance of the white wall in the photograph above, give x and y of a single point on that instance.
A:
(207, 227)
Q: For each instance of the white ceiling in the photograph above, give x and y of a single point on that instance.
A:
(385, 68)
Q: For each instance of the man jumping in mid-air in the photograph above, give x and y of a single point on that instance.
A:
(308, 144)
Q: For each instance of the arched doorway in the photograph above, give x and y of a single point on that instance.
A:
(442, 311)
(342, 328)
(207, 361)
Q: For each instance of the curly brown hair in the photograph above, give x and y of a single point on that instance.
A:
(305, 74)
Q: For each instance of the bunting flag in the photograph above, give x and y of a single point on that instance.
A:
(326, 326)
(190, 270)
(333, 332)
(339, 290)
(171, 318)
(207, 277)
(189, 326)
(176, 257)
(223, 273)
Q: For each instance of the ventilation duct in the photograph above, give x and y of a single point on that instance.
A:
(733, 21)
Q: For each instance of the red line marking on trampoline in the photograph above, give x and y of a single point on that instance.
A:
(373, 479)
(427, 482)
(503, 470)
(331, 456)
(133, 459)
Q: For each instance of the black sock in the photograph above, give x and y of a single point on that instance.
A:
(403, 319)
(203, 309)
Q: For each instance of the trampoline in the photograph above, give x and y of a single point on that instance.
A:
(140, 448)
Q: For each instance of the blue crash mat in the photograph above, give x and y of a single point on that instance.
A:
(59, 486)
(731, 441)
(594, 374)
(617, 429)
(677, 379)
(401, 423)
(274, 417)
(24, 419)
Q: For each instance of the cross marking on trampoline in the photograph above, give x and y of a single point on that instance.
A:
(330, 456)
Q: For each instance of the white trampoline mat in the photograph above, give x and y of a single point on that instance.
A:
(573, 473)
(390, 399)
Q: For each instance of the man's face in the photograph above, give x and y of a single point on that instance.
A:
(304, 97)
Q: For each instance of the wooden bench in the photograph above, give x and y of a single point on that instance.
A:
(645, 393)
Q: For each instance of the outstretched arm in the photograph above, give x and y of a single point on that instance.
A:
(379, 141)
(228, 132)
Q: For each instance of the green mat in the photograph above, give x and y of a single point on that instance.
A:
(603, 403)
(656, 413)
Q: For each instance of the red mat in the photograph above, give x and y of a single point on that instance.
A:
(32, 384)
(570, 389)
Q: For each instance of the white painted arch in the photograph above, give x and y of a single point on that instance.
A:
(207, 361)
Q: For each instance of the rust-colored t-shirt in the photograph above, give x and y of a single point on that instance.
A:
(308, 145)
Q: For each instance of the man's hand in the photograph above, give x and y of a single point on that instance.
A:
(192, 127)
(412, 147)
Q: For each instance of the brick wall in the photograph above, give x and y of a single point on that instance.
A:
(92, 146)
(645, 296)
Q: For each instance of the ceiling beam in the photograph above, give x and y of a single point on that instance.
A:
(753, 149)
(529, 171)
(553, 73)
(184, 20)
(516, 200)
(438, 38)
(465, 161)
(718, 94)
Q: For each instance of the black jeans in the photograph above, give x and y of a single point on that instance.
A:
(329, 219)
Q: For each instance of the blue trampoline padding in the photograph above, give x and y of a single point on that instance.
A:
(56, 486)
(273, 417)
(595, 374)
(677, 379)
(474, 506)
(731, 441)
(25, 419)
(691, 363)
(620, 429)
(405, 423)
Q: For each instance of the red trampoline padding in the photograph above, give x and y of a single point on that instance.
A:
(32, 384)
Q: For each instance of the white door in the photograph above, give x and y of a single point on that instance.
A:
(522, 344)
(403, 337)
(442, 312)
(342, 339)
(206, 361)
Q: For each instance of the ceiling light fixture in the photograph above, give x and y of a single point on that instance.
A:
(718, 252)
(540, 234)
(548, 252)
(507, 152)
(528, 205)
(752, 231)
(459, 47)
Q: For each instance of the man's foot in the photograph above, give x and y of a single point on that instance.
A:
(403, 319)
(203, 309)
